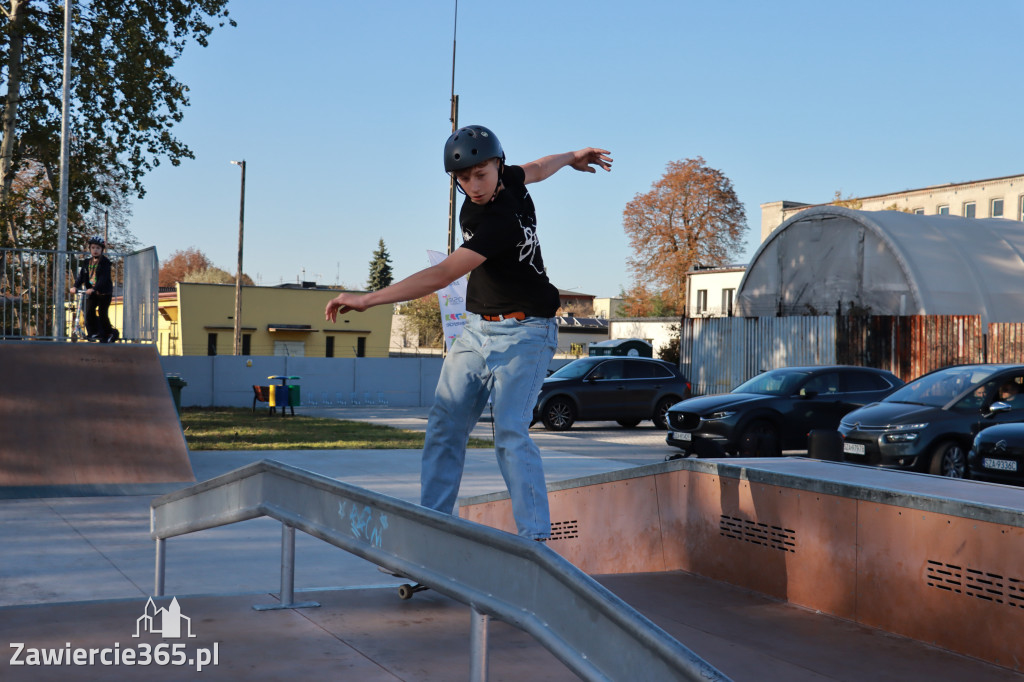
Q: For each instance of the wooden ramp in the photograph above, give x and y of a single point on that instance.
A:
(87, 414)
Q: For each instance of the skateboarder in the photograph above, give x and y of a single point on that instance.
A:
(94, 279)
(510, 333)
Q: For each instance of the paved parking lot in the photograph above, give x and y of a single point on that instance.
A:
(605, 440)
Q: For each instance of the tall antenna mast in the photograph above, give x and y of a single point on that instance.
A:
(454, 117)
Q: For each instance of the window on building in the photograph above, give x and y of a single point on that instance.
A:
(1020, 207)
(918, 211)
(211, 343)
(361, 347)
(702, 301)
(727, 297)
(997, 208)
(329, 352)
(942, 210)
(246, 344)
(969, 209)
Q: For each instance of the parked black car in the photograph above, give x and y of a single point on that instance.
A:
(775, 410)
(998, 454)
(929, 424)
(624, 389)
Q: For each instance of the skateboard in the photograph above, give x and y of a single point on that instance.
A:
(408, 589)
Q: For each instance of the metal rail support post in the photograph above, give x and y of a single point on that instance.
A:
(161, 564)
(287, 575)
(478, 646)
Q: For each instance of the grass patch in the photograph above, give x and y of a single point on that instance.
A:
(227, 428)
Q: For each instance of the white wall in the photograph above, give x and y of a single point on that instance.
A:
(714, 282)
(227, 381)
(656, 330)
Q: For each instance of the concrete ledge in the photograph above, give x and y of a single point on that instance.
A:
(939, 560)
(982, 501)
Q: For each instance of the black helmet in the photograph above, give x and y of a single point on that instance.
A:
(96, 239)
(469, 146)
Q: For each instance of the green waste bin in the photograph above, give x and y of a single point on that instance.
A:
(176, 383)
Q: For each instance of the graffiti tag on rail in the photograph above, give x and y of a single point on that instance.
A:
(362, 523)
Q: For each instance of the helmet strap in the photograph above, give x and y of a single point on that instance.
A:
(501, 170)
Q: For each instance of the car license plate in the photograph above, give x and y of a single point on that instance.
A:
(854, 448)
(999, 464)
(682, 435)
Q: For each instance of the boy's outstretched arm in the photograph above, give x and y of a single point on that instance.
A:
(412, 287)
(582, 160)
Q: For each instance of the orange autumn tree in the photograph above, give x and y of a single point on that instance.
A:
(691, 216)
(180, 264)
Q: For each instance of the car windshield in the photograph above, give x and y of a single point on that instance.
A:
(938, 388)
(576, 368)
(775, 382)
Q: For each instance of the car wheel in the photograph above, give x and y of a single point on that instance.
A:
(660, 417)
(950, 460)
(759, 439)
(627, 423)
(559, 414)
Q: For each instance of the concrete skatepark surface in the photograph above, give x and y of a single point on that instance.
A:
(76, 574)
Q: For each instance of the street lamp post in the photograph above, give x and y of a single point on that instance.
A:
(62, 207)
(238, 273)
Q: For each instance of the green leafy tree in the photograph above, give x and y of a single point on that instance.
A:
(423, 317)
(670, 351)
(125, 100)
(380, 268)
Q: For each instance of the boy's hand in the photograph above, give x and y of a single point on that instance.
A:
(343, 303)
(585, 159)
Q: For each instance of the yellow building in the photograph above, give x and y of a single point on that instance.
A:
(199, 319)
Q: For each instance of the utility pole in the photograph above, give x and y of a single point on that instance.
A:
(454, 117)
(238, 273)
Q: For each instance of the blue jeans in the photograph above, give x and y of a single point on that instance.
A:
(509, 358)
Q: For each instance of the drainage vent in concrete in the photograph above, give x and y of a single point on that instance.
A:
(775, 537)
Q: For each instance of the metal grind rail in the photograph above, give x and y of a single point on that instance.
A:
(593, 632)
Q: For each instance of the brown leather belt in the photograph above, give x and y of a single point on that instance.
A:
(506, 316)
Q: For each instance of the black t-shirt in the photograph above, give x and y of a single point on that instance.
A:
(504, 231)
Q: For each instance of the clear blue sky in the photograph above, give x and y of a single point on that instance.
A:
(341, 111)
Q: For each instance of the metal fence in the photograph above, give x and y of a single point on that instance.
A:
(717, 354)
(29, 298)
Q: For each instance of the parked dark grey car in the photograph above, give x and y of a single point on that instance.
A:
(623, 389)
(775, 410)
(929, 424)
(998, 454)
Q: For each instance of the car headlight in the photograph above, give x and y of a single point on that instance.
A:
(903, 433)
(715, 416)
(905, 427)
(904, 437)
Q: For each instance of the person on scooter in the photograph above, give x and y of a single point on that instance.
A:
(95, 281)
